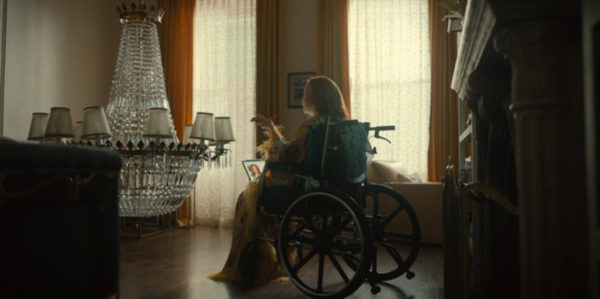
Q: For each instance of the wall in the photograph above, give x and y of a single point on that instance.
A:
(299, 52)
(62, 53)
(58, 53)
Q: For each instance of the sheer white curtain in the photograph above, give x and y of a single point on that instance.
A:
(224, 84)
(388, 48)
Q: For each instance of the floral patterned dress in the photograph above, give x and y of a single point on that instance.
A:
(250, 259)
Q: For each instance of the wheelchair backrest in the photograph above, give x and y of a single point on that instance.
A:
(337, 152)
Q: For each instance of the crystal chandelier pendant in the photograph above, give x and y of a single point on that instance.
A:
(158, 172)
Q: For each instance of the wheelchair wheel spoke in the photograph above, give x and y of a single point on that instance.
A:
(338, 267)
(395, 255)
(300, 252)
(391, 216)
(320, 279)
(346, 245)
(301, 240)
(375, 204)
(304, 261)
(351, 261)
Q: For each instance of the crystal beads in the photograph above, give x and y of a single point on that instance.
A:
(158, 173)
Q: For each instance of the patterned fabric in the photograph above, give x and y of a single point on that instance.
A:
(224, 84)
(252, 260)
(389, 66)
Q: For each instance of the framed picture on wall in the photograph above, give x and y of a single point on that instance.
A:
(296, 83)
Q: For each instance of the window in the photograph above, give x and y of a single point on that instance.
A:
(224, 84)
(389, 66)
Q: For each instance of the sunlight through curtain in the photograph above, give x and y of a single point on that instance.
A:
(224, 84)
(388, 47)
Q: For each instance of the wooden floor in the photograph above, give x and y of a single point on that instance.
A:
(176, 263)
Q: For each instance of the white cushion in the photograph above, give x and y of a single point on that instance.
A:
(387, 171)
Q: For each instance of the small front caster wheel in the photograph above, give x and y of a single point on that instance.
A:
(375, 290)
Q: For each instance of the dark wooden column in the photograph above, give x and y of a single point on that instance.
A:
(546, 104)
(591, 65)
(494, 236)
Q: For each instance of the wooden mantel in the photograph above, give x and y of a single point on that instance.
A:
(519, 66)
(478, 24)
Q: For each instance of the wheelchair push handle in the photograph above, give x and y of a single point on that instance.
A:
(382, 128)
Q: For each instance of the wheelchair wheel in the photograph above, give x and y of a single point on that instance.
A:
(395, 231)
(319, 231)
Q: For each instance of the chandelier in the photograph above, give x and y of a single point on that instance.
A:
(158, 171)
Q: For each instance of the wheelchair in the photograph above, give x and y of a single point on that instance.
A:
(336, 229)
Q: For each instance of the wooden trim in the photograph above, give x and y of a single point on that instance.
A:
(478, 24)
(2, 63)
(466, 134)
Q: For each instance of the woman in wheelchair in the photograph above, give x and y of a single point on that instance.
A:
(250, 259)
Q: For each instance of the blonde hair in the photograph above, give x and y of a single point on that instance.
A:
(326, 97)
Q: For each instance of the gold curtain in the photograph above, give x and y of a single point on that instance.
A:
(176, 40)
(268, 60)
(443, 138)
(332, 44)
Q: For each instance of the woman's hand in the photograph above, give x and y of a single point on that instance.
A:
(266, 122)
(263, 122)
